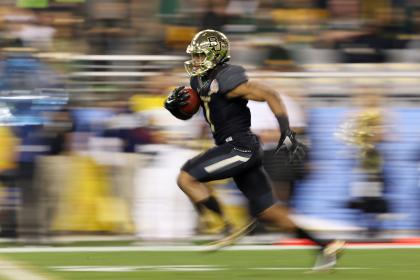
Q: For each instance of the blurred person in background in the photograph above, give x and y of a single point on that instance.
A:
(37, 33)
(108, 25)
(38, 140)
(361, 31)
(8, 206)
(24, 79)
(365, 130)
(214, 17)
(224, 90)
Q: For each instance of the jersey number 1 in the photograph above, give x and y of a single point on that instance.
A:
(207, 109)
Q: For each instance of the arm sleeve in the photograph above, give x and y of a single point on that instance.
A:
(230, 78)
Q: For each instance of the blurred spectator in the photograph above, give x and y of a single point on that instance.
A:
(366, 131)
(22, 70)
(108, 23)
(37, 34)
(36, 141)
(366, 47)
(8, 189)
(25, 79)
(214, 17)
(242, 7)
(127, 126)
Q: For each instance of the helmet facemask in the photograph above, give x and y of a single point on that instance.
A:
(201, 61)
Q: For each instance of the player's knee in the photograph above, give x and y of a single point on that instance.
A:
(180, 180)
(279, 216)
(184, 180)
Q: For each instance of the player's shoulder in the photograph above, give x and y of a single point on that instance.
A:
(229, 76)
(230, 69)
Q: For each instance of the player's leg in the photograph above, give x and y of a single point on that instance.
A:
(194, 189)
(199, 194)
(327, 256)
(256, 187)
(217, 163)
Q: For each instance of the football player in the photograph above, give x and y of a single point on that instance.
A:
(224, 90)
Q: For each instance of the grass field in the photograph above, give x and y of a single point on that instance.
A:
(256, 264)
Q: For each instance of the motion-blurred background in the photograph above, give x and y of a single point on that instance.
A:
(86, 148)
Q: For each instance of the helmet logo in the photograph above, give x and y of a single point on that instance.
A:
(214, 43)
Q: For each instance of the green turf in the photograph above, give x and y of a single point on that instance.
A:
(380, 264)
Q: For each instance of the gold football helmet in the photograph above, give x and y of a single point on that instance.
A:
(207, 49)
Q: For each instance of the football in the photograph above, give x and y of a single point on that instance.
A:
(193, 102)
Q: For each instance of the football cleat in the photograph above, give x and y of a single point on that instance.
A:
(232, 237)
(327, 258)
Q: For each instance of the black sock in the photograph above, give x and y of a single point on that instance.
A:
(199, 207)
(210, 203)
(301, 233)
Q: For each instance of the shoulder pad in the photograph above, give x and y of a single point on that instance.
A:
(230, 77)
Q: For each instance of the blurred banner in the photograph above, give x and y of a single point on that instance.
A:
(32, 3)
(69, 1)
(87, 202)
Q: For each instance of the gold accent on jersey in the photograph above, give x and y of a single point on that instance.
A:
(205, 98)
(207, 108)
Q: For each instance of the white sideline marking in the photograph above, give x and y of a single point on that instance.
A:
(14, 271)
(148, 268)
(306, 268)
(172, 268)
(192, 248)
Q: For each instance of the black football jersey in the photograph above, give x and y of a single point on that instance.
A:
(226, 116)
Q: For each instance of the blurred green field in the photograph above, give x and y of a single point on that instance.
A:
(282, 264)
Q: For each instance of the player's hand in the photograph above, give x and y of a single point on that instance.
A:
(177, 98)
(287, 140)
(298, 153)
(289, 143)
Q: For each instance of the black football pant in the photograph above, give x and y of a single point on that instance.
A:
(241, 159)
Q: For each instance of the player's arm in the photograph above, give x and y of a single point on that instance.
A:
(252, 90)
(176, 99)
